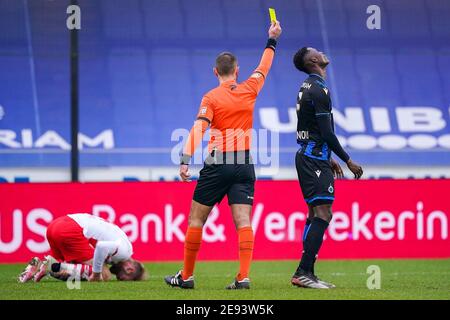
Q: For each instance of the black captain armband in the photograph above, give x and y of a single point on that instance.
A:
(271, 43)
(185, 159)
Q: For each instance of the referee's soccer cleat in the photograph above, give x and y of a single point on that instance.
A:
(305, 279)
(30, 270)
(237, 285)
(177, 281)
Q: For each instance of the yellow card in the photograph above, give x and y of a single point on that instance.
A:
(273, 15)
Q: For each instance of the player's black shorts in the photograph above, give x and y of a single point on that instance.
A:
(316, 179)
(231, 178)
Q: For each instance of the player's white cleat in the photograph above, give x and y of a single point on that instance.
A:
(30, 270)
(328, 284)
(44, 268)
(307, 280)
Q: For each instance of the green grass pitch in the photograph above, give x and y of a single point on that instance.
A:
(400, 279)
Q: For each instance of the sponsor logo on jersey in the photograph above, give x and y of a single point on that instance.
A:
(306, 85)
(318, 172)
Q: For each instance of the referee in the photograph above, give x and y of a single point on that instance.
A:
(315, 167)
(228, 110)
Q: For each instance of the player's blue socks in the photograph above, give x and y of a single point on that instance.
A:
(312, 243)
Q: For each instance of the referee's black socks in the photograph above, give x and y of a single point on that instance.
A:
(312, 243)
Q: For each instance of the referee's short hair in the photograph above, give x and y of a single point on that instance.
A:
(299, 59)
(226, 63)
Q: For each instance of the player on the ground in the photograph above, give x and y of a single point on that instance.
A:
(81, 244)
(315, 167)
(229, 170)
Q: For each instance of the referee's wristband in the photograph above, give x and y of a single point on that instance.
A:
(185, 159)
(271, 43)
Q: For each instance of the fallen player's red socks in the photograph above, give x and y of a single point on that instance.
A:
(191, 247)
(246, 241)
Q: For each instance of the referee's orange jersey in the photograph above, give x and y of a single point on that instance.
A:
(228, 109)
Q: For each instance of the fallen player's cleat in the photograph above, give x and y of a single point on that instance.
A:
(236, 285)
(44, 268)
(307, 280)
(30, 270)
(177, 281)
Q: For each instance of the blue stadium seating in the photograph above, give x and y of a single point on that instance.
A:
(243, 26)
(207, 26)
(444, 67)
(122, 20)
(343, 66)
(162, 19)
(439, 11)
(145, 64)
(378, 77)
(406, 17)
(172, 86)
(13, 20)
(357, 17)
(294, 18)
(418, 73)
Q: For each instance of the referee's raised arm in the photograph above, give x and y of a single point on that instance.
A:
(257, 78)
